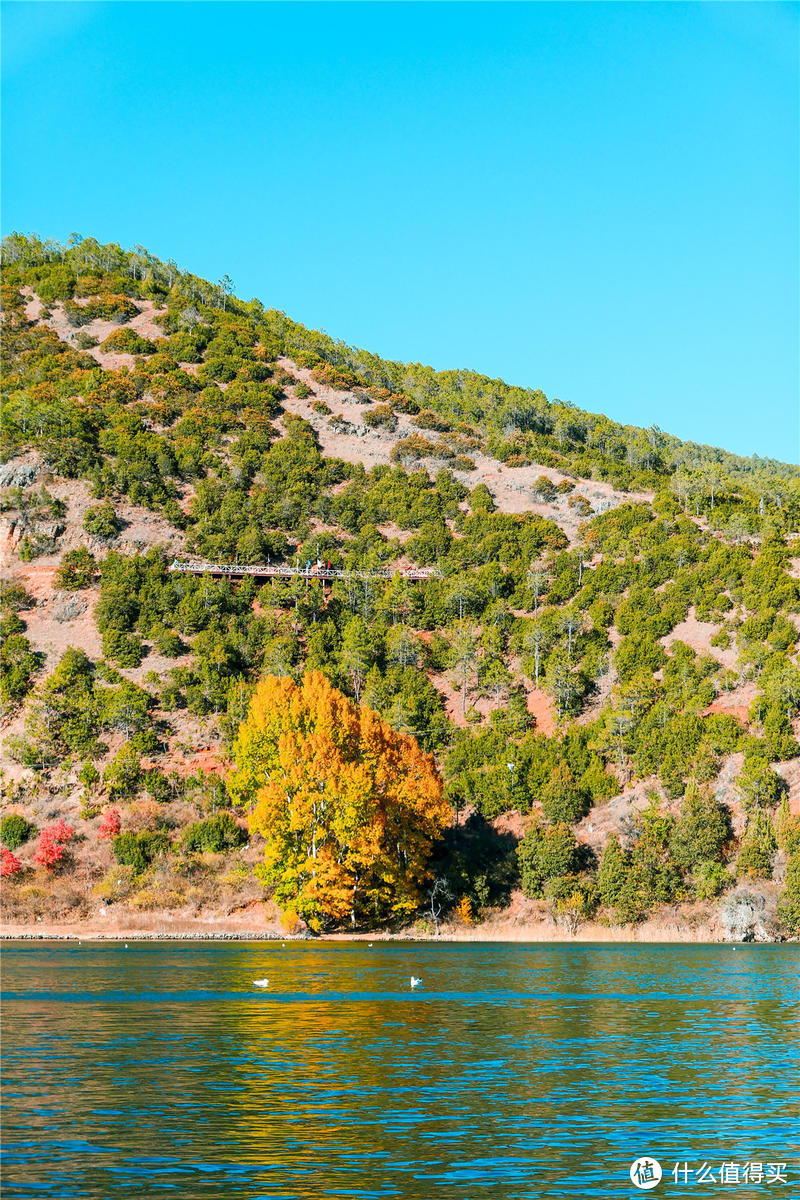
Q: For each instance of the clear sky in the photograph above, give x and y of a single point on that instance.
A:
(600, 200)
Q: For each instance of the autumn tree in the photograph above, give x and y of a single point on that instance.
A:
(348, 807)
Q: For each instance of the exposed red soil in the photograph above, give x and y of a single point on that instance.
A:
(541, 707)
(208, 761)
(739, 711)
(513, 822)
(451, 694)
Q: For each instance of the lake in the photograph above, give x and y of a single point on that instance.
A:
(515, 1070)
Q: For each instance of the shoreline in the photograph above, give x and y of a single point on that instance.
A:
(530, 935)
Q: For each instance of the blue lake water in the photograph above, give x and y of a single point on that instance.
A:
(514, 1071)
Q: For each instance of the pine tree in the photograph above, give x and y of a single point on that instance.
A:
(613, 872)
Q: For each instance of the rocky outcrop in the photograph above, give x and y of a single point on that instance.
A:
(745, 916)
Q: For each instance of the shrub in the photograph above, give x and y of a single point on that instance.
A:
(100, 521)
(481, 499)
(334, 377)
(290, 922)
(125, 648)
(13, 596)
(572, 899)
(544, 489)
(431, 420)
(760, 786)
(787, 829)
(168, 643)
(303, 391)
(381, 414)
(598, 782)
(77, 569)
(414, 447)
(52, 844)
(126, 341)
(710, 879)
(18, 662)
(702, 830)
(106, 307)
(15, 830)
(109, 825)
(89, 774)
(216, 833)
(9, 865)
(137, 850)
(117, 884)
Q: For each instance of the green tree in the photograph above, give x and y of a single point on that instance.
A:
(758, 847)
(789, 902)
(546, 853)
(124, 775)
(759, 785)
(613, 873)
(702, 830)
(357, 654)
(562, 799)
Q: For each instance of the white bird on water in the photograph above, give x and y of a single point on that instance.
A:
(415, 982)
(261, 982)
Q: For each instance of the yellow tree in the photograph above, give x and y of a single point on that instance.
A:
(348, 806)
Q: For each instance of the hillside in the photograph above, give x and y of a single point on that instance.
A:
(605, 664)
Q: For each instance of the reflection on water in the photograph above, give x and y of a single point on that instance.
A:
(516, 1071)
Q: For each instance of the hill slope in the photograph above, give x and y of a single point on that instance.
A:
(606, 667)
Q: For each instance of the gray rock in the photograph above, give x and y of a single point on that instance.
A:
(745, 918)
(14, 474)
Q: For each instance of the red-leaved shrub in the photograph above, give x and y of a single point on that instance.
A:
(9, 863)
(110, 825)
(52, 841)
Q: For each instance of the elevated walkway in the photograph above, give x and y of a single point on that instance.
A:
(309, 571)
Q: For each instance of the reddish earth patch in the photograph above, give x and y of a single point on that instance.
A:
(541, 707)
(49, 627)
(452, 701)
(739, 711)
(208, 761)
(512, 822)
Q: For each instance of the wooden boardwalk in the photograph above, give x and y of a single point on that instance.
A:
(310, 571)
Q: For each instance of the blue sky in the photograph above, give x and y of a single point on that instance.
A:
(600, 200)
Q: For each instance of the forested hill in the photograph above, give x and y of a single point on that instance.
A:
(603, 665)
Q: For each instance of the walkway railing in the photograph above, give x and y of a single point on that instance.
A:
(312, 571)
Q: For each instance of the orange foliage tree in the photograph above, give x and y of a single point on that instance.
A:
(348, 806)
